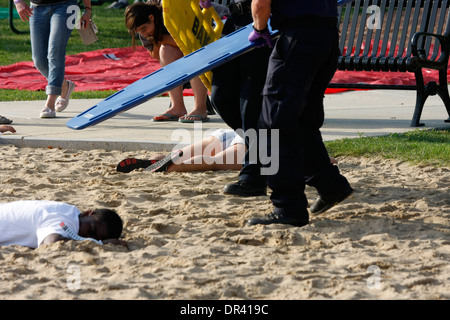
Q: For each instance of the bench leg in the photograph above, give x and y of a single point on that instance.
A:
(431, 89)
(421, 97)
(443, 91)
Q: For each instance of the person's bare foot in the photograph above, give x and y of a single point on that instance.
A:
(197, 114)
(5, 128)
(170, 115)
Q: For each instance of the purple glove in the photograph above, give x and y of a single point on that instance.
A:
(205, 4)
(262, 36)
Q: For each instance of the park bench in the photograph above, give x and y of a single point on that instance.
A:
(397, 36)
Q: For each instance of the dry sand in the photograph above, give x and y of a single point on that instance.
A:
(187, 240)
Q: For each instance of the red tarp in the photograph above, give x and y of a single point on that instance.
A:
(105, 69)
(95, 71)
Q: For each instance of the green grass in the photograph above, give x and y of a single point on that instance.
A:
(26, 95)
(112, 34)
(16, 47)
(431, 147)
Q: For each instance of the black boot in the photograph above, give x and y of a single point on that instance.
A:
(245, 189)
(323, 203)
(332, 187)
(298, 221)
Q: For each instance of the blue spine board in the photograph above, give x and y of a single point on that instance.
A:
(169, 77)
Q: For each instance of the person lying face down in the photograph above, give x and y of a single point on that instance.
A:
(32, 223)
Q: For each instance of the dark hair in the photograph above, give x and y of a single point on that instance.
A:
(137, 15)
(112, 220)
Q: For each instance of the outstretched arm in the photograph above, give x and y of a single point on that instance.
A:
(54, 237)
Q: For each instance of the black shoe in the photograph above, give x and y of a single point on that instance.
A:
(279, 218)
(321, 205)
(245, 189)
(4, 120)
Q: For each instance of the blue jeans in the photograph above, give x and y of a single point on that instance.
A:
(50, 32)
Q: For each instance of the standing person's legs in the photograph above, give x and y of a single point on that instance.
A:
(295, 63)
(320, 173)
(50, 33)
(200, 93)
(236, 96)
(39, 34)
(57, 44)
(169, 54)
(225, 96)
(253, 73)
(60, 32)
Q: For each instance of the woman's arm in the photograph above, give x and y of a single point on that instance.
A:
(87, 14)
(24, 11)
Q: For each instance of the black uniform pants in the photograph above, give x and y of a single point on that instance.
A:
(236, 95)
(301, 65)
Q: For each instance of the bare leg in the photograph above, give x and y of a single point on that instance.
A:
(157, 157)
(208, 156)
(169, 54)
(200, 93)
(208, 146)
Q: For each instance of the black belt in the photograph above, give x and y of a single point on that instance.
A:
(240, 8)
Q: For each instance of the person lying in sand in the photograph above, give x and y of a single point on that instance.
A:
(32, 223)
(223, 149)
(5, 128)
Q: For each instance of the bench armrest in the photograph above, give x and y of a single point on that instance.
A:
(420, 52)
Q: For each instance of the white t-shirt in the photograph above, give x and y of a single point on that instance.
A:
(28, 223)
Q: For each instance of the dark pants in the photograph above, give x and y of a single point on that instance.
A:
(302, 64)
(236, 95)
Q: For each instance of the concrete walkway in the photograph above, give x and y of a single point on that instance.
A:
(348, 115)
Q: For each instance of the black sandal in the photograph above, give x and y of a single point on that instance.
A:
(130, 164)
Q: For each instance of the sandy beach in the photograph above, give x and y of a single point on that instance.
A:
(187, 240)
